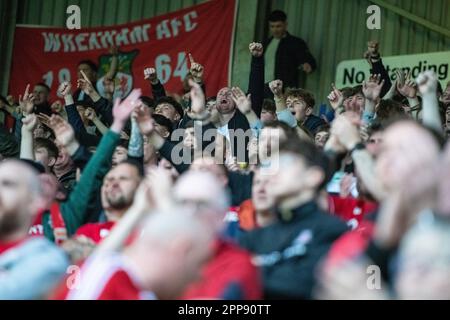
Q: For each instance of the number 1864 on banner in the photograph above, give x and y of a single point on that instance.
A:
(167, 67)
(164, 66)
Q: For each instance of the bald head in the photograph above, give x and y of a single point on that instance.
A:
(162, 228)
(202, 188)
(209, 164)
(170, 252)
(224, 102)
(27, 174)
(20, 195)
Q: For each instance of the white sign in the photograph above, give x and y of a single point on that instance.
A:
(353, 72)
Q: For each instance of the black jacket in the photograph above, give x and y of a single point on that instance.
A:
(378, 68)
(43, 108)
(9, 147)
(289, 251)
(291, 53)
(313, 123)
(239, 121)
(256, 84)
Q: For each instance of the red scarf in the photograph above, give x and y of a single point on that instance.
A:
(57, 222)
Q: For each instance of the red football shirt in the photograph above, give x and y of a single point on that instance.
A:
(350, 209)
(108, 277)
(96, 231)
(36, 228)
(350, 244)
(5, 246)
(229, 274)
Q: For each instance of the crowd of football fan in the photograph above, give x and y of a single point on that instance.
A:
(237, 196)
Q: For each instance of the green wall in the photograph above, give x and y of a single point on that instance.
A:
(335, 30)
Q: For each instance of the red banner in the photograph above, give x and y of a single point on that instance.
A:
(51, 55)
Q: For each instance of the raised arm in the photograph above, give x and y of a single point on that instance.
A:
(346, 135)
(147, 127)
(29, 123)
(74, 209)
(371, 91)
(72, 113)
(101, 105)
(196, 70)
(427, 82)
(157, 87)
(114, 52)
(136, 144)
(283, 113)
(336, 99)
(373, 56)
(256, 80)
(154, 192)
(244, 104)
(90, 114)
(407, 87)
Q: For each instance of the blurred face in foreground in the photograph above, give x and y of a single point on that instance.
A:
(293, 178)
(407, 158)
(208, 164)
(170, 252)
(203, 194)
(19, 197)
(269, 142)
(261, 199)
(424, 265)
(374, 143)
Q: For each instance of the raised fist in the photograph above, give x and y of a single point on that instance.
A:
(256, 49)
(372, 50)
(276, 86)
(150, 75)
(427, 82)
